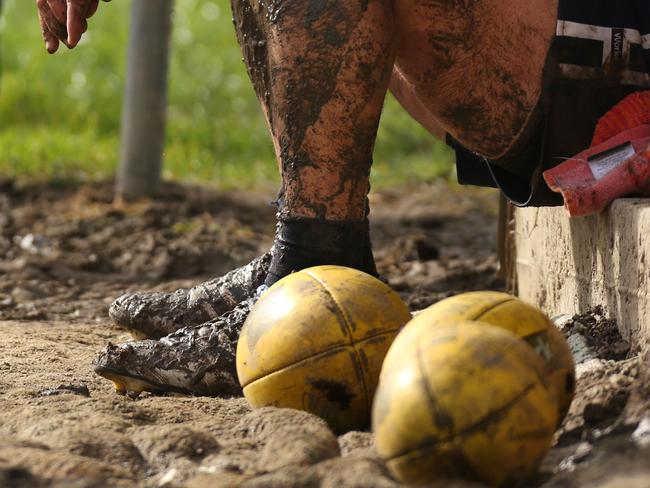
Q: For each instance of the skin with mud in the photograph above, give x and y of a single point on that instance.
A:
(65, 252)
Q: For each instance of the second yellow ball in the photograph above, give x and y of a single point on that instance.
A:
(510, 313)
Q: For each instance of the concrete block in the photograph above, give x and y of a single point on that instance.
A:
(569, 265)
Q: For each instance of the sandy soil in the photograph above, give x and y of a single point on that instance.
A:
(66, 252)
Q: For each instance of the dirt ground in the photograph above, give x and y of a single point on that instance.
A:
(66, 252)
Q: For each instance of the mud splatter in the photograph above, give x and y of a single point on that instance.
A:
(601, 333)
(335, 392)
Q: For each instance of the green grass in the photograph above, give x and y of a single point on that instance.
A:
(59, 115)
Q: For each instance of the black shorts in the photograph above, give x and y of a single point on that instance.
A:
(600, 54)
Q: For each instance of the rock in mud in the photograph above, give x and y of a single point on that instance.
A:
(73, 389)
(355, 442)
(595, 335)
(603, 389)
(114, 448)
(581, 453)
(289, 437)
(60, 468)
(162, 445)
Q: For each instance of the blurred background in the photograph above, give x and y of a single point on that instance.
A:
(60, 115)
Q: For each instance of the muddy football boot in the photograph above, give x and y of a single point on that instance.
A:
(197, 360)
(155, 315)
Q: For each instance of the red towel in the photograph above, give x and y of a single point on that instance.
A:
(617, 163)
(632, 112)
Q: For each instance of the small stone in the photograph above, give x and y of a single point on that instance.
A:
(355, 441)
(581, 454)
(73, 389)
(290, 437)
(160, 446)
(168, 477)
(34, 244)
(561, 321)
(22, 295)
(294, 448)
(619, 380)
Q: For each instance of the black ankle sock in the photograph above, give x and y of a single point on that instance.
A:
(301, 243)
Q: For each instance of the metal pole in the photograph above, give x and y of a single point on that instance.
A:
(145, 99)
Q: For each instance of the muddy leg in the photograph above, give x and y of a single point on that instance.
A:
(321, 72)
(473, 68)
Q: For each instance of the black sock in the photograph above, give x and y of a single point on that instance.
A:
(302, 242)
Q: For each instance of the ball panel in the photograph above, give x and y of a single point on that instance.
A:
(505, 311)
(402, 415)
(477, 392)
(534, 326)
(476, 364)
(466, 306)
(445, 459)
(317, 338)
(462, 373)
(509, 446)
(501, 452)
(370, 353)
(322, 384)
(369, 306)
(293, 320)
(517, 316)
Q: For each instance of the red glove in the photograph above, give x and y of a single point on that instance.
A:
(617, 163)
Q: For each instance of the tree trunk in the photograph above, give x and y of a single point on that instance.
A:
(145, 99)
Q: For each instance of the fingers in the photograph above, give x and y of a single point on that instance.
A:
(76, 21)
(51, 41)
(52, 30)
(64, 21)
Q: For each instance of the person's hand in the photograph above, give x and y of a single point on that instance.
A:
(64, 21)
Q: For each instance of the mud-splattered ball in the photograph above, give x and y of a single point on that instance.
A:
(507, 312)
(316, 340)
(469, 402)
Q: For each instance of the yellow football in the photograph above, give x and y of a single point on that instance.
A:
(316, 340)
(470, 402)
(508, 312)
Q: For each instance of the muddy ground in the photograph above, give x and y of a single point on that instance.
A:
(66, 252)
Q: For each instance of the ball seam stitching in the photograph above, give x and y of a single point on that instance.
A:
(327, 351)
(492, 307)
(348, 327)
(468, 429)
